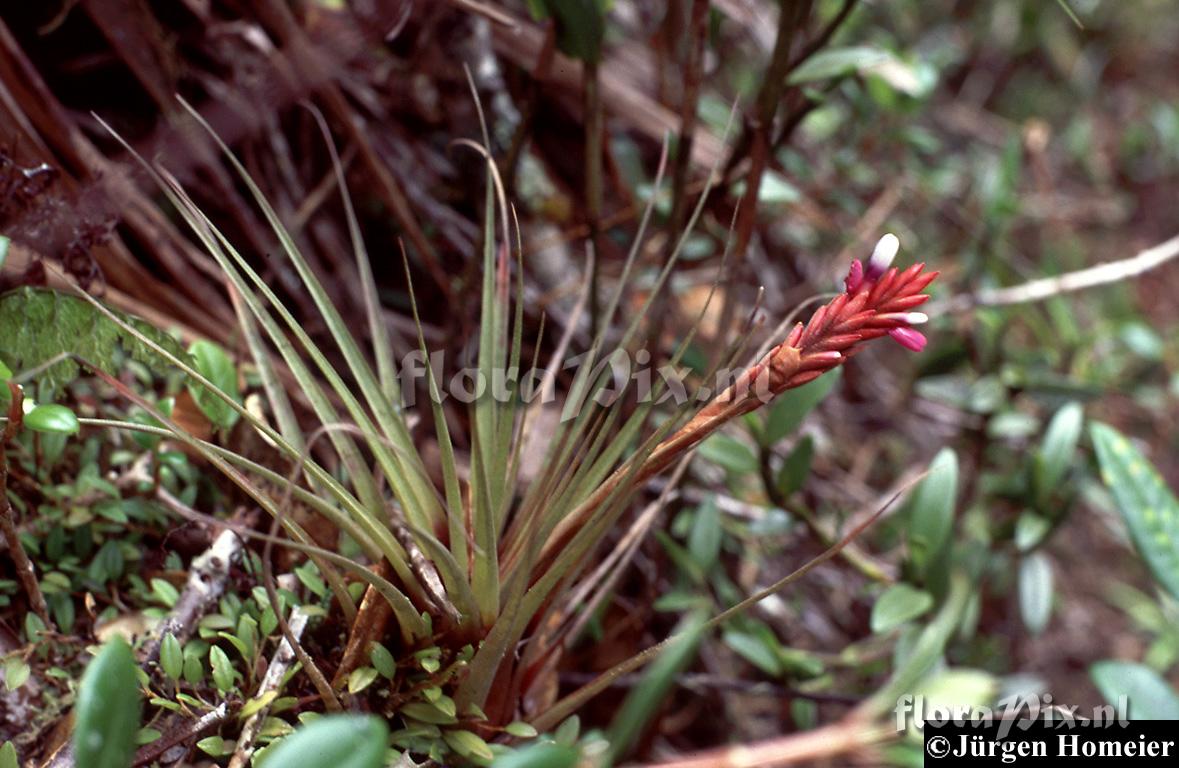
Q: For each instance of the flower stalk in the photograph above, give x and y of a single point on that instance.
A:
(878, 300)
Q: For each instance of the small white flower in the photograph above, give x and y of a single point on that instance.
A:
(916, 318)
(882, 255)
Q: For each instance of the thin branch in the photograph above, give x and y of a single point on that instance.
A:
(1047, 287)
(20, 559)
(849, 736)
(279, 664)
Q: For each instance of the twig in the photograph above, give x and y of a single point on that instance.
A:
(207, 578)
(279, 664)
(1047, 287)
(848, 736)
(20, 559)
(155, 750)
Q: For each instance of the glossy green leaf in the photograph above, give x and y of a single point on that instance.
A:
(1147, 696)
(1035, 592)
(382, 660)
(361, 678)
(1058, 449)
(171, 657)
(52, 418)
(931, 509)
(898, 604)
(467, 744)
(223, 674)
(339, 741)
(215, 364)
(108, 708)
(520, 730)
(547, 755)
(1149, 508)
(793, 405)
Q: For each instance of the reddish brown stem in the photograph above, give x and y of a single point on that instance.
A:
(24, 567)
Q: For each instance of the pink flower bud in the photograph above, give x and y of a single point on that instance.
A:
(909, 338)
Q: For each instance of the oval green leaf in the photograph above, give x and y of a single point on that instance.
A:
(339, 741)
(53, 419)
(1035, 592)
(1145, 694)
(932, 509)
(107, 713)
(1058, 449)
(898, 604)
(215, 364)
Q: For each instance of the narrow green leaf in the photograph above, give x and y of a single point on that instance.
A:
(898, 604)
(108, 708)
(932, 509)
(754, 650)
(1035, 592)
(215, 365)
(1145, 694)
(792, 406)
(428, 713)
(644, 700)
(836, 62)
(1149, 508)
(5, 375)
(339, 741)
(704, 541)
(8, 757)
(53, 419)
(1058, 448)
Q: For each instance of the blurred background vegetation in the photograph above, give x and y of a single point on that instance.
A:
(1002, 142)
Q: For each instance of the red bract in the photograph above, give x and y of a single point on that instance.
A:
(877, 300)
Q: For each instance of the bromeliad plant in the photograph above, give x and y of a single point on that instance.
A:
(475, 577)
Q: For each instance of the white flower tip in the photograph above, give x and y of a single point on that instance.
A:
(916, 318)
(884, 252)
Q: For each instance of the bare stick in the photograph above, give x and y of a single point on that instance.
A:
(1047, 287)
(279, 664)
(846, 737)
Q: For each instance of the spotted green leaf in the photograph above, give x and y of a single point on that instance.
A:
(1148, 507)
